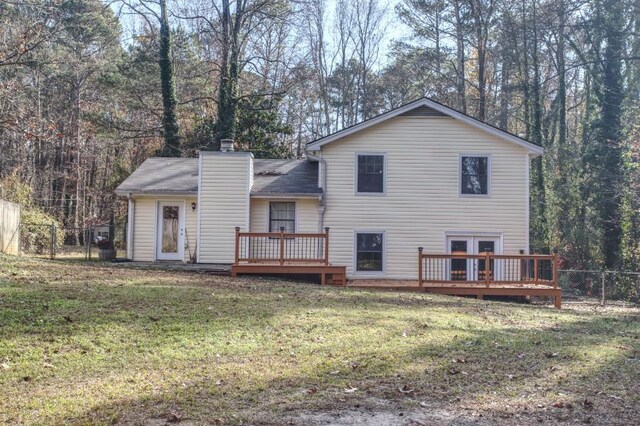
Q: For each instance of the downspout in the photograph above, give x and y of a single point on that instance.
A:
(323, 199)
(132, 215)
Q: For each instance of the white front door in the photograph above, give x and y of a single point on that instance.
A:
(170, 231)
(471, 269)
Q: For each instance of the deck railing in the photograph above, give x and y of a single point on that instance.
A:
(487, 269)
(282, 247)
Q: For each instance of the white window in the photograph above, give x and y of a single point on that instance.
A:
(369, 251)
(370, 171)
(474, 174)
(282, 215)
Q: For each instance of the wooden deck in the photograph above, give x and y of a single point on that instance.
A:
(286, 254)
(463, 289)
(463, 274)
(489, 274)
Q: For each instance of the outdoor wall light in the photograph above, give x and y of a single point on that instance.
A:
(193, 206)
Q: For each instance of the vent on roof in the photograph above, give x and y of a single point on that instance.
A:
(423, 111)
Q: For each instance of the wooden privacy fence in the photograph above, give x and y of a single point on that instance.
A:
(282, 247)
(488, 269)
(9, 228)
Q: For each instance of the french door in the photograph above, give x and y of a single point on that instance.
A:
(471, 269)
(170, 231)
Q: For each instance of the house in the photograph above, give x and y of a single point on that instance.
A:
(422, 175)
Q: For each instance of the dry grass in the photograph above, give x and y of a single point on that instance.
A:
(90, 343)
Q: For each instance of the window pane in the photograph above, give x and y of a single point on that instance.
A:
(370, 173)
(369, 252)
(282, 215)
(474, 175)
(170, 216)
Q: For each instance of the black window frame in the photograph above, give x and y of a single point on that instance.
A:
(271, 219)
(464, 177)
(360, 182)
(381, 252)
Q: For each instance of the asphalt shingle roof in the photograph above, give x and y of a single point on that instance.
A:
(180, 175)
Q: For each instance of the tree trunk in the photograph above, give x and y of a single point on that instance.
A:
(171, 146)
(460, 55)
(611, 134)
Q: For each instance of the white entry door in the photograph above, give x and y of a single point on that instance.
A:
(471, 269)
(170, 231)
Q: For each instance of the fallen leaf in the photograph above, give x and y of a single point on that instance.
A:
(67, 318)
(406, 389)
(350, 390)
(551, 354)
(453, 371)
(173, 418)
(312, 391)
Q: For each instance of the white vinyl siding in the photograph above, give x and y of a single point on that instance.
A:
(144, 226)
(144, 229)
(422, 199)
(306, 215)
(225, 182)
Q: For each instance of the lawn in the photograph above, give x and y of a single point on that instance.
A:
(91, 343)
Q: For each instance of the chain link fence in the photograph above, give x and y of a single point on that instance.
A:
(602, 286)
(52, 242)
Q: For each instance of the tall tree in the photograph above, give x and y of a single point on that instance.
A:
(171, 146)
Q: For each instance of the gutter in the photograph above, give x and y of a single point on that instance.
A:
(323, 199)
(130, 230)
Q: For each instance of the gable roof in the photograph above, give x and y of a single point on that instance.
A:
(428, 107)
(160, 175)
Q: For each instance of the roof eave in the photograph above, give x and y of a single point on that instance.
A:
(315, 195)
(133, 192)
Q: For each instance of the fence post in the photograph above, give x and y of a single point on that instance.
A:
(91, 236)
(237, 244)
(282, 245)
(326, 246)
(555, 268)
(602, 286)
(53, 241)
(420, 272)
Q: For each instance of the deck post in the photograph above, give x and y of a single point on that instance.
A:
(237, 245)
(326, 245)
(487, 268)
(282, 245)
(420, 267)
(535, 268)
